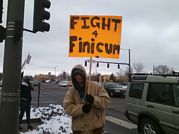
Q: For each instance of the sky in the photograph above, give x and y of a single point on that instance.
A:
(149, 30)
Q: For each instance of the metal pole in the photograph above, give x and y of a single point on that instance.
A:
(1, 10)
(9, 106)
(38, 94)
(129, 61)
(129, 65)
(90, 67)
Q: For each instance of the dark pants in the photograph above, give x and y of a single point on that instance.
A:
(25, 107)
(95, 131)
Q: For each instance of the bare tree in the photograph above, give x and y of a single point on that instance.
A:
(112, 77)
(127, 71)
(64, 76)
(162, 69)
(138, 67)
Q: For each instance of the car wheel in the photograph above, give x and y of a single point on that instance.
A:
(148, 126)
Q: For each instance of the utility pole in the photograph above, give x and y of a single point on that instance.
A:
(9, 99)
(129, 61)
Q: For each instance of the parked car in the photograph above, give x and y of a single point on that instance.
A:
(152, 102)
(35, 83)
(63, 84)
(115, 89)
(1, 83)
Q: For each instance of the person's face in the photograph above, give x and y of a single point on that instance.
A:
(79, 78)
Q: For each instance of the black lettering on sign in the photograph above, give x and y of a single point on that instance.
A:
(91, 46)
(105, 24)
(80, 45)
(116, 21)
(85, 26)
(108, 48)
(86, 46)
(95, 21)
(95, 33)
(72, 39)
(116, 48)
(73, 21)
(98, 47)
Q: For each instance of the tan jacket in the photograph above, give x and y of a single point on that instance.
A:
(96, 117)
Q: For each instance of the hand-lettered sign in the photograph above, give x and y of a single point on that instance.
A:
(92, 36)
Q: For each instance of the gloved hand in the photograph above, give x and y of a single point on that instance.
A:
(86, 108)
(89, 98)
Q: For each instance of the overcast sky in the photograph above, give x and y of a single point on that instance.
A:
(150, 28)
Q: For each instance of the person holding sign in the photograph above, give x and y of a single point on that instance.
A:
(86, 106)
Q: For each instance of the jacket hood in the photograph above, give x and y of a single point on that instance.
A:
(78, 69)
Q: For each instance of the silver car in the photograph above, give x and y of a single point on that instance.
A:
(152, 102)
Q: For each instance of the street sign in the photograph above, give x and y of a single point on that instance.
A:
(92, 36)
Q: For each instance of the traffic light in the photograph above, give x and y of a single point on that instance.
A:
(1, 8)
(2, 33)
(107, 65)
(40, 15)
(97, 64)
(118, 66)
(85, 63)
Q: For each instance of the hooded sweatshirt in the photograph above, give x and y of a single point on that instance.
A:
(74, 100)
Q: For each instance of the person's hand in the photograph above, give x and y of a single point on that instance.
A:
(86, 108)
(89, 98)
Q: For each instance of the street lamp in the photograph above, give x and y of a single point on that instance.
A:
(129, 59)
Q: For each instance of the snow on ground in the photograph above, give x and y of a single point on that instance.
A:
(54, 120)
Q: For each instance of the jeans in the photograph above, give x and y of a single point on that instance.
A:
(25, 107)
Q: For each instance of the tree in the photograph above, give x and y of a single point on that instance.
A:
(127, 71)
(162, 69)
(112, 78)
(98, 77)
(64, 76)
(138, 67)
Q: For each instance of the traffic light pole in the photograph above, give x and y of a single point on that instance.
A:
(119, 63)
(9, 99)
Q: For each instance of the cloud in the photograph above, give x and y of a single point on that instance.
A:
(150, 29)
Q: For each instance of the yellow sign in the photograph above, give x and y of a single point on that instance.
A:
(92, 36)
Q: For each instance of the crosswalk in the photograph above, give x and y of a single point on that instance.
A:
(120, 122)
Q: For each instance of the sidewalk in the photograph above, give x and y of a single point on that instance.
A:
(34, 122)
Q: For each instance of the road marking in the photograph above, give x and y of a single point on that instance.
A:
(105, 132)
(121, 122)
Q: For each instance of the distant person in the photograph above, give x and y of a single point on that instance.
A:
(86, 106)
(25, 103)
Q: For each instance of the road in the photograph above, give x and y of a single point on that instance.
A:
(116, 122)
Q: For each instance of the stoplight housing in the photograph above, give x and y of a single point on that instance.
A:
(97, 64)
(1, 8)
(118, 66)
(2, 33)
(40, 15)
(107, 65)
(85, 63)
